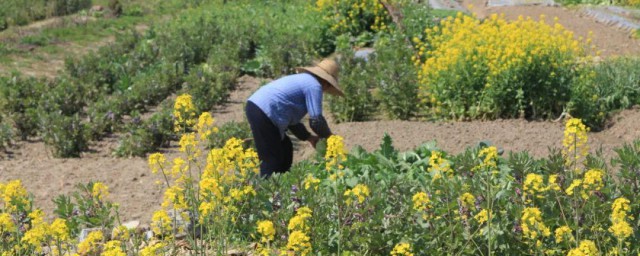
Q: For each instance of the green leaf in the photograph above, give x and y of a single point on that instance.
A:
(386, 148)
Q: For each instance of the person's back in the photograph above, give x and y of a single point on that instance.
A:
(287, 100)
(280, 106)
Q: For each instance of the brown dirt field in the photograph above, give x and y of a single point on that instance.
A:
(133, 186)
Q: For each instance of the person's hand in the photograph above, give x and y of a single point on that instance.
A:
(313, 140)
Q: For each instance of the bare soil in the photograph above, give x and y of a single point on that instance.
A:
(133, 186)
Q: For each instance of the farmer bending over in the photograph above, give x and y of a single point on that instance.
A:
(281, 105)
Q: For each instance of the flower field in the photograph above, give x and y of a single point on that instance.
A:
(155, 91)
(419, 202)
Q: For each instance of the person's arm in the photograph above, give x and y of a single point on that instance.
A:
(319, 126)
(300, 131)
(314, 106)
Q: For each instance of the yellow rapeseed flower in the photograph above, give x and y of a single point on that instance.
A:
(575, 140)
(113, 248)
(402, 249)
(299, 243)
(586, 248)
(311, 182)
(336, 152)
(59, 230)
(299, 221)
(161, 223)
(90, 245)
(99, 191)
(152, 250)
(483, 216)
(266, 230)
(184, 113)
(467, 200)
(564, 234)
(360, 192)
(421, 201)
(534, 185)
(157, 161)
(439, 165)
(532, 225)
(14, 196)
(6, 223)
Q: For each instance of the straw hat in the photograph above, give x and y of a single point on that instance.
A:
(328, 70)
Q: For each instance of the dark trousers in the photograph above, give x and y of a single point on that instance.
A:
(275, 154)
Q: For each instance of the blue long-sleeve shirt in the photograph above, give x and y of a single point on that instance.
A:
(287, 100)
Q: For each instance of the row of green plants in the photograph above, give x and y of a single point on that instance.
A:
(419, 202)
(199, 52)
(22, 12)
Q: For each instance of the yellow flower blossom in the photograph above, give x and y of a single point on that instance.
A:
(157, 161)
(467, 200)
(299, 221)
(6, 223)
(311, 182)
(586, 248)
(483, 216)
(161, 223)
(336, 152)
(575, 145)
(402, 249)
(184, 113)
(299, 243)
(421, 201)
(113, 248)
(90, 245)
(439, 165)
(532, 225)
(563, 234)
(14, 196)
(153, 250)
(266, 230)
(99, 191)
(534, 185)
(59, 230)
(360, 192)
(205, 126)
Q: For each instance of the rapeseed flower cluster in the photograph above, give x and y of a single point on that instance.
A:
(184, 113)
(311, 182)
(360, 192)
(574, 144)
(591, 183)
(620, 228)
(467, 200)
(533, 186)
(586, 248)
(354, 16)
(299, 241)
(483, 216)
(99, 191)
(14, 196)
(489, 156)
(336, 153)
(533, 227)
(402, 249)
(439, 166)
(466, 64)
(91, 244)
(564, 234)
(205, 126)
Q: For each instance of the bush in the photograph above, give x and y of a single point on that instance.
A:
(148, 136)
(604, 88)
(6, 133)
(66, 136)
(21, 97)
(356, 82)
(496, 69)
(395, 77)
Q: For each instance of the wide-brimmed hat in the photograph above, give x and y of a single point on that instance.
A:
(327, 70)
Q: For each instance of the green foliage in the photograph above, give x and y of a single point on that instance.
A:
(22, 12)
(85, 209)
(7, 133)
(395, 77)
(604, 88)
(143, 137)
(66, 136)
(356, 81)
(21, 97)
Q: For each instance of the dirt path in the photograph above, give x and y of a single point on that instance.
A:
(607, 39)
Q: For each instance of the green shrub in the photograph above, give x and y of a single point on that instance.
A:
(395, 77)
(66, 136)
(21, 97)
(604, 88)
(6, 132)
(356, 82)
(148, 136)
